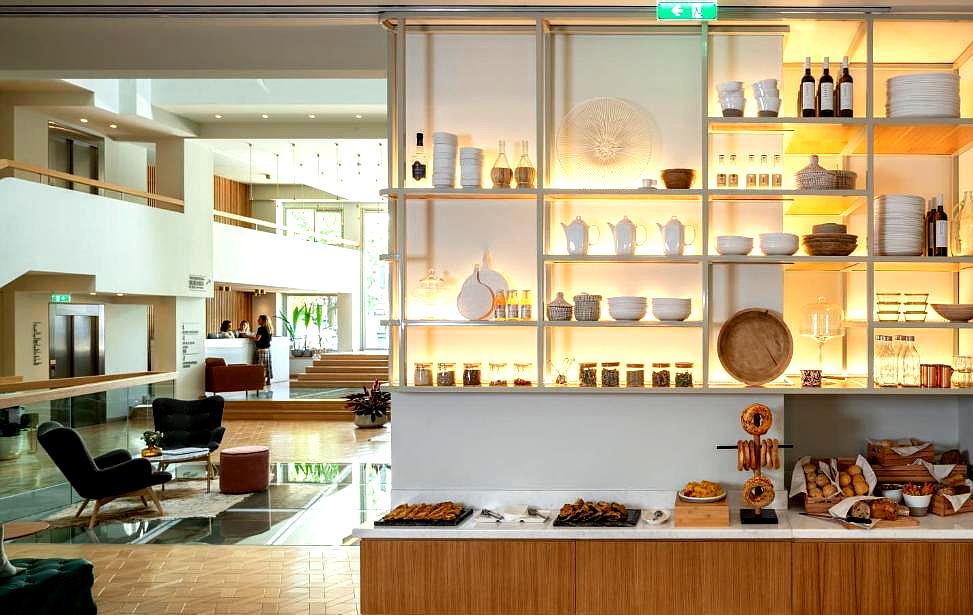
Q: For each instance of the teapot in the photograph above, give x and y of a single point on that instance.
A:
(576, 234)
(674, 236)
(626, 236)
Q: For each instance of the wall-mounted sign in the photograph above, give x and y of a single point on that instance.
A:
(60, 298)
(686, 11)
(192, 344)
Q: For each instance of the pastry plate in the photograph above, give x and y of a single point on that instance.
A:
(461, 517)
(695, 500)
(631, 520)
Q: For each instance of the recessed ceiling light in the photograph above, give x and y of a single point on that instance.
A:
(311, 116)
(265, 116)
(92, 294)
(113, 125)
(119, 294)
(218, 116)
(358, 116)
(84, 120)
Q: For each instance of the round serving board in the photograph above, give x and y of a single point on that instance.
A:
(755, 346)
(475, 300)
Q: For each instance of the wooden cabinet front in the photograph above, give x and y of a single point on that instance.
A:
(682, 578)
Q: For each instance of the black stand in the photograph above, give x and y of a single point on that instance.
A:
(767, 516)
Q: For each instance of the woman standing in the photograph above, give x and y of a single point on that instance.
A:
(261, 340)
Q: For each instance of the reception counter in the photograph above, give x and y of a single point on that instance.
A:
(238, 350)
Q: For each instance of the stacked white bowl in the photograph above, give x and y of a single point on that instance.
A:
(443, 160)
(767, 96)
(779, 244)
(671, 309)
(734, 245)
(899, 221)
(627, 308)
(731, 98)
(471, 167)
(923, 94)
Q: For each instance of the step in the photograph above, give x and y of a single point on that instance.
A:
(330, 384)
(343, 376)
(270, 409)
(346, 369)
(346, 363)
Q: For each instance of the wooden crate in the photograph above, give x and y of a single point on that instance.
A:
(914, 474)
(884, 456)
(820, 506)
(941, 506)
(713, 514)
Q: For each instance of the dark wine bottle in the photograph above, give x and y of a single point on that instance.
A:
(931, 228)
(419, 162)
(846, 91)
(942, 229)
(805, 95)
(826, 92)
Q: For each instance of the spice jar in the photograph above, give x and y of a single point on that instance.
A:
(588, 374)
(684, 374)
(423, 375)
(522, 374)
(609, 374)
(634, 374)
(498, 374)
(446, 375)
(471, 374)
(661, 376)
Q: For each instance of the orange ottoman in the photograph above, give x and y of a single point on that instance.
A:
(244, 469)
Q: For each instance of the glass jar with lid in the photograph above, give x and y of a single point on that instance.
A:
(522, 374)
(446, 375)
(498, 374)
(423, 374)
(886, 363)
(588, 374)
(609, 374)
(471, 375)
(684, 374)
(635, 374)
(910, 374)
(661, 374)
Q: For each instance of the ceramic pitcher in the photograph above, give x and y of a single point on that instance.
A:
(626, 236)
(674, 236)
(576, 234)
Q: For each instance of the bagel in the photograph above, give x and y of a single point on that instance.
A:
(758, 492)
(757, 419)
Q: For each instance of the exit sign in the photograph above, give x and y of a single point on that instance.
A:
(686, 11)
(60, 298)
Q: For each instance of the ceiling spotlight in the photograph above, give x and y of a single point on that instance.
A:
(358, 116)
(92, 294)
(311, 116)
(119, 294)
(84, 120)
(265, 116)
(218, 116)
(113, 125)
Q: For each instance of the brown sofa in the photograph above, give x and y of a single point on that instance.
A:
(221, 377)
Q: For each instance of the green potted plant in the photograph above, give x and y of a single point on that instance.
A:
(153, 443)
(319, 324)
(306, 320)
(288, 327)
(371, 407)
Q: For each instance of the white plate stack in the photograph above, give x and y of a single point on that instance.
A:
(899, 220)
(471, 167)
(923, 95)
(444, 160)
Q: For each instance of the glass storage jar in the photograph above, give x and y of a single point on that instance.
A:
(886, 363)
(609, 374)
(684, 374)
(635, 374)
(588, 374)
(498, 374)
(471, 375)
(446, 375)
(423, 375)
(522, 375)
(962, 372)
(661, 374)
(909, 371)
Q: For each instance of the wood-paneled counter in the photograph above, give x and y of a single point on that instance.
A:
(801, 567)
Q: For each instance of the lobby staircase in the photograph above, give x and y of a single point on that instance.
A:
(344, 370)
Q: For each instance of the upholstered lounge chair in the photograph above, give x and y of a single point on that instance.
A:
(195, 423)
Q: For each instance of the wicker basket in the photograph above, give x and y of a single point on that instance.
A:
(587, 307)
(814, 177)
(844, 180)
(559, 312)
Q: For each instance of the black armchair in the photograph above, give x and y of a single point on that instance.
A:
(104, 478)
(195, 423)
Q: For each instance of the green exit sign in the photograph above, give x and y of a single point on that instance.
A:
(686, 11)
(60, 298)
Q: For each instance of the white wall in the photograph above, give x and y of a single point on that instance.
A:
(126, 338)
(127, 164)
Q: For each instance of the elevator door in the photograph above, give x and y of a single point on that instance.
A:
(77, 348)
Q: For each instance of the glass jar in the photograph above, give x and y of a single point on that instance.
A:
(609, 374)
(909, 371)
(498, 374)
(886, 367)
(501, 174)
(471, 375)
(525, 305)
(588, 374)
(524, 173)
(661, 374)
(446, 375)
(522, 374)
(513, 305)
(684, 375)
(423, 375)
(635, 374)
(962, 372)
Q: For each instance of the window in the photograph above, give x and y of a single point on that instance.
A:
(316, 324)
(327, 222)
(375, 278)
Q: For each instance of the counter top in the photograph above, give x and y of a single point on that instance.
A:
(792, 526)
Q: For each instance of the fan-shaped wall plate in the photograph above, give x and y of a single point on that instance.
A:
(606, 142)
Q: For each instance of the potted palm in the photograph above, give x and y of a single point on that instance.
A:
(371, 407)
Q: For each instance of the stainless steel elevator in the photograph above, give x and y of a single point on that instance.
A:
(77, 348)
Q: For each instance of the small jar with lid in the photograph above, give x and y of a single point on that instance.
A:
(498, 374)
(423, 375)
(661, 374)
(588, 374)
(446, 375)
(471, 375)
(522, 374)
(635, 374)
(609, 374)
(684, 375)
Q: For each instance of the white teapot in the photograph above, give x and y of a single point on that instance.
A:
(576, 234)
(626, 236)
(674, 236)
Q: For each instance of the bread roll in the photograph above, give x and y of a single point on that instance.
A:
(810, 467)
(860, 509)
(847, 491)
(829, 490)
(844, 479)
(854, 471)
(821, 480)
(860, 486)
(814, 492)
(883, 509)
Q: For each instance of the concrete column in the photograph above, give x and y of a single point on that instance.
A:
(170, 164)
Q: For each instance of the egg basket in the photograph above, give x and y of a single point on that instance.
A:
(559, 312)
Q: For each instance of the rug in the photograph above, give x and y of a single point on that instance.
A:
(180, 500)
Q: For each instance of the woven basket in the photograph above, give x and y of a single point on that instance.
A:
(814, 177)
(587, 307)
(844, 180)
(559, 312)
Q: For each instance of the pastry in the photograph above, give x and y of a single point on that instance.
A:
(883, 508)
(848, 491)
(810, 468)
(757, 419)
(740, 467)
(844, 479)
(758, 492)
(859, 486)
(443, 511)
(829, 490)
(861, 510)
(776, 454)
(854, 471)
(814, 492)
(703, 489)
(952, 457)
(821, 480)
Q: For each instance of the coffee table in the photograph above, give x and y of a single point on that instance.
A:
(167, 459)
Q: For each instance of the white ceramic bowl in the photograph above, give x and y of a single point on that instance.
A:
(671, 309)
(768, 104)
(628, 299)
(729, 86)
(893, 494)
(779, 244)
(918, 504)
(766, 83)
(734, 245)
(625, 312)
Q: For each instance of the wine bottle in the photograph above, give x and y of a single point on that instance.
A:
(931, 228)
(846, 91)
(826, 92)
(942, 228)
(419, 161)
(805, 96)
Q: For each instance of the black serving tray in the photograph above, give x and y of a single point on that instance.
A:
(632, 520)
(461, 517)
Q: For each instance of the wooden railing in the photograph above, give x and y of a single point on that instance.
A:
(152, 200)
(35, 391)
(286, 230)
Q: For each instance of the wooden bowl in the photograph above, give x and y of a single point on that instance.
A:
(755, 346)
(678, 179)
(954, 312)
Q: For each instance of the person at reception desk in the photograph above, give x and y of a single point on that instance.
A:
(225, 330)
(261, 341)
(244, 329)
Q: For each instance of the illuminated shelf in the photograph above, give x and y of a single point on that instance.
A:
(936, 324)
(948, 264)
(462, 323)
(510, 194)
(796, 262)
(799, 202)
(802, 135)
(475, 194)
(921, 135)
(682, 324)
(621, 194)
(611, 258)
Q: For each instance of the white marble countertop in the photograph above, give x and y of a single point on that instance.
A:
(792, 526)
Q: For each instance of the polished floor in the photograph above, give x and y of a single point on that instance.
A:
(282, 391)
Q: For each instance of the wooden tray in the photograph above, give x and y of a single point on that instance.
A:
(755, 346)
(940, 506)
(913, 474)
(632, 520)
(820, 506)
(463, 516)
(714, 514)
(899, 524)
(884, 456)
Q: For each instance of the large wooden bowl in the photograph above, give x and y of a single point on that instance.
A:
(755, 346)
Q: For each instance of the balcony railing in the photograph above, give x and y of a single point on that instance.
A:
(152, 200)
(220, 216)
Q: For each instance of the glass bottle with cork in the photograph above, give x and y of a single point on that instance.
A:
(419, 159)
(501, 174)
(525, 172)
(499, 306)
(513, 305)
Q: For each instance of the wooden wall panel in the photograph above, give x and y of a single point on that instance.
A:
(683, 578)
(467, 577)
(232, 305)
(232, 197)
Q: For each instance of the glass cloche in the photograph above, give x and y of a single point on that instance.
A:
(429, 297)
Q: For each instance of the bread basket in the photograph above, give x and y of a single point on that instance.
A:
(587, 307)
(814, 177)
